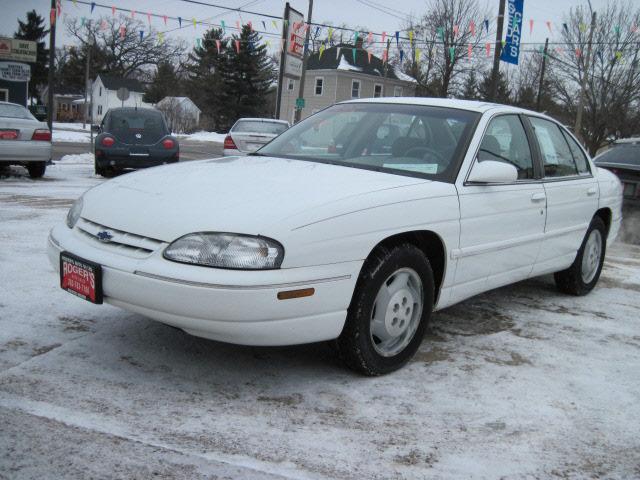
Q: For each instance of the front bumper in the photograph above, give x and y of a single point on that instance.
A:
(226, 305)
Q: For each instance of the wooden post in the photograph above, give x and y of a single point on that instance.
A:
(496, 55)
(544, 65)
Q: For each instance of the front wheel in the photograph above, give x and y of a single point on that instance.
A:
(36, 169)
(583, 274)
(389, 311)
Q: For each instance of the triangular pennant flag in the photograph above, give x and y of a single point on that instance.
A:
(264, 25)
(250, 26)
(355, 38)
(141, 34)
(488, 49)
(164, 17)
(469, 49)
(338, 53)
(418, 54)
(59, 6)
(218, 45)
(321, 50)
(353, 52)
(530, 26)
(149, 17)
(452, 53)
(578, 52)
(583, 27)
(199, 42)
(616, 29)
(456, 29)
(397, 38)
(549, 26)
(472, 28)
(370, 38)
(113, 10)
(122, 31)
(224, 28)
(384, 36)
(133, 14)
(411, 37)
(401, 56)
(566, 27)
(194, 22)
(441, 33)
(180, 21)
(238, 25)
(275, 25)
(369, 55)
(486, 25)
(93, 5)
(238, 46)
(160, 37)
(52, 17)
(83, 20)
(385, 56)
(330, 34)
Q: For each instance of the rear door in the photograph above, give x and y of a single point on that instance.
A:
(501, 225)
(572, 195)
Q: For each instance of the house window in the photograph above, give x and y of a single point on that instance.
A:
(100, 93)
(99, 109)
(397, 91)
(319, 85)
(4, 94)
(355, 88)
(291, 84)
(377, 90)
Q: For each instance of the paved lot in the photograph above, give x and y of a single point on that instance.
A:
(189, 150)
(522, 382)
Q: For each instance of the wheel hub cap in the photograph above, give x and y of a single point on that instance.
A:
(399, 311)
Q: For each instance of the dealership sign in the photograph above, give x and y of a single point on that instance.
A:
(18, 50)
(15, 72)
(295, 44)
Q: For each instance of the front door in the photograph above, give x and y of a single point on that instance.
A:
(501, 225)
(572, 195)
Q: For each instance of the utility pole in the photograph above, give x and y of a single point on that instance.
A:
(496, 55)
(86, 78)
(583, 84)
(304, 62)
(386, 70)
(52, 59)
(544, 65)
(282, 61)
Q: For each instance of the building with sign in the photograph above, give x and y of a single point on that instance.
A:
(343, 72)
(15, 71)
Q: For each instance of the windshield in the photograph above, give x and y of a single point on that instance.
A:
(624, 154)
(256, 126)
(404, 139)
(14, 111)
(136, 126)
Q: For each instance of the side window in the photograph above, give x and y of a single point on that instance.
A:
(556, 155)
(578, 155)
(506, 141)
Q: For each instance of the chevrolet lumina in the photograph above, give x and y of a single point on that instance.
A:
(355, 238)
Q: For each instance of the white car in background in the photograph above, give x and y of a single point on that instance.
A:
(249, 134)
(358, 240)
(23, 139)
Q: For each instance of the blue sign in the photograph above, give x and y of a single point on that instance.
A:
(511, 49)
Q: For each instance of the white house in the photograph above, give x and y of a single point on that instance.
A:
(181, 113)
(104, 95)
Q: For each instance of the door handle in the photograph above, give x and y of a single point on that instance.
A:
(538, 197)
(592, 191)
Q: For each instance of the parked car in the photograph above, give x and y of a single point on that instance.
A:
(305, 241)
(132, 138)
(249, 134)
(23, 139)
(623, 159)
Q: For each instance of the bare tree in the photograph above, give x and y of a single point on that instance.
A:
(613, 79)
(179, 119)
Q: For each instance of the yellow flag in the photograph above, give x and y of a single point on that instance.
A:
(418, 52)
(321, 50)
(194, 22)
(330, 33)
(411, 37)
(160, 37)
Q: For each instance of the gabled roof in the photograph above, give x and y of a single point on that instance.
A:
(180, 101)
(114, 83)
(340, 57)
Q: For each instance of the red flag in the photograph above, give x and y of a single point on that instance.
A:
(113, 10)
(549, 25)
(149, 17)
(218, 45)
(369, 54)
(133, 14)
(455, 30)
(164, 17)
(488, 48)
(52, 17)
(385, 55)
(250, 26)
(238, 25)
(122, 31)
(384, 37)
(472, 27)
(469, 48)
(578, 52)
(530, 26)
(238, 46)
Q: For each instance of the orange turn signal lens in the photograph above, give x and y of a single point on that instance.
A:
(289, 294)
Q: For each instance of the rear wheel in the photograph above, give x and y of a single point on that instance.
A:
(36, 169)
(583, 274)
(389, 311)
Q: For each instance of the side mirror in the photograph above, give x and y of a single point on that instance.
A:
(95, 128)
(490, 171)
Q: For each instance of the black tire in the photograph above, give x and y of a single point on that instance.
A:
(571, 280)
(98, 170)
(36, 169)
(355, 344)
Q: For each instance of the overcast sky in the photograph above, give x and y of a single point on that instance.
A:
(351, 12)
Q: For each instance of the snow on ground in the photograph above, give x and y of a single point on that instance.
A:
(72, 126)
(77, 158)
(521, 382)
(59, 136)
(203, 136)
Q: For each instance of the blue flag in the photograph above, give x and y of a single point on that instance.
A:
(511, 49)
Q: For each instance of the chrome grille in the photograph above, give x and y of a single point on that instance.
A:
(121, 242)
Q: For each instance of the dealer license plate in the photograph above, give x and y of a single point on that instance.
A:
(81, 277)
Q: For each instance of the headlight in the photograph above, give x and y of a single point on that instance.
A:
(74, 213)
(226, 250)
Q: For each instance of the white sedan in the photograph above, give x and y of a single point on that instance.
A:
(358, 237)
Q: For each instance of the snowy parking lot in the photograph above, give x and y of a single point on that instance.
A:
(521, 382)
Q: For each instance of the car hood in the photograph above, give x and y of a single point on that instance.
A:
(251, 195)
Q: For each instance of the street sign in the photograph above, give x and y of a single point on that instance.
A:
(18, 50)
(299, 102)
(15, 72)
(122, 93)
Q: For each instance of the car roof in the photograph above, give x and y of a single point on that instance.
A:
(471, 105)
(627, 141)
(134, 109)
(12, 103)
(261, 120)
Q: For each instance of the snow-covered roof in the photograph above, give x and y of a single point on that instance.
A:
(403, 76)
(345, 65)
(180, 100)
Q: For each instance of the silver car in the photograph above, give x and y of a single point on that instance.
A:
(23, 139)
(249, 134)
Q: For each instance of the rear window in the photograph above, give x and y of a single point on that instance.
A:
(124, 124)
(15, 111)
(624, 154)
(275, 128)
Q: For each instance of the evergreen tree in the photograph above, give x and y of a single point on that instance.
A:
(503, 94)
(165, 83)
(205, 83)
(248, 76)
(470, 87)
(33, 29)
